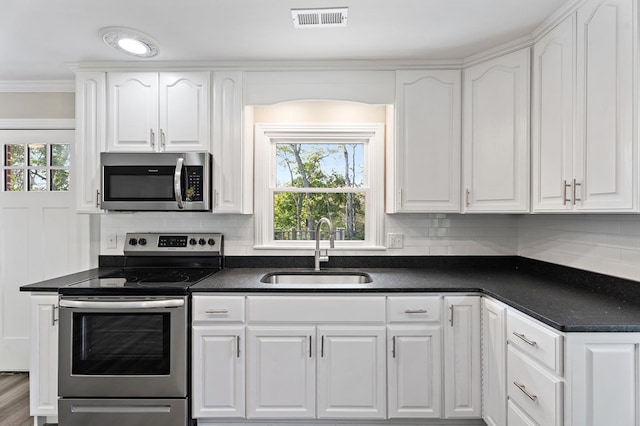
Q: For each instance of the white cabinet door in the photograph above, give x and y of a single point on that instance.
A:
(602, 377)
(132, 111)
(281, 372)
(218, 371)
(552, 118)
(184, 111)
(415, 370)
(496, 135)
(606, 148)
(351, 372)
(150, 112)
(494, 363)
(43, 372)
(462, 364)
(232, 160)
(426, 155)
(90, 139)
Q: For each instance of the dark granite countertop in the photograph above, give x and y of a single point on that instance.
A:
(566, 299)
(565, 306)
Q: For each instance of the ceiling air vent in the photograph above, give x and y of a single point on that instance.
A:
(320, 18)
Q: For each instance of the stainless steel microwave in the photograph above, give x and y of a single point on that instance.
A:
(163, 181)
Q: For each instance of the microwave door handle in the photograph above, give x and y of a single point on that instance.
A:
(177, 183)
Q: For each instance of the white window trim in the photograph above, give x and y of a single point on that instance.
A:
(266, 136)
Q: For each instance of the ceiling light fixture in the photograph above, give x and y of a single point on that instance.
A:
(130, 42)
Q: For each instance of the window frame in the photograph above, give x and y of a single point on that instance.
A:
(268, 135)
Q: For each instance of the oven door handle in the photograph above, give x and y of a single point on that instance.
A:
(134, 304)
(177, 183)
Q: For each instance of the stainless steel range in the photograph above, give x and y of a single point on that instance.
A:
(124, 335)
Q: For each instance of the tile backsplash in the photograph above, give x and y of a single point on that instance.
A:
(608, 244)
(423, 234)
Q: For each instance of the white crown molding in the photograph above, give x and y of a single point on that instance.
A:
(273, 65)
(58, 86)
(37, 124)
(503, 49)
(557, 17)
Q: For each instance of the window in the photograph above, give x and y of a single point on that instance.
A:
(36, 167)
(306, 172)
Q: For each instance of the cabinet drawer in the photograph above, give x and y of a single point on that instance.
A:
(536, 340)
(316, 309)
(218, 309)
(414, 309)
(537, 392)
(515, 417)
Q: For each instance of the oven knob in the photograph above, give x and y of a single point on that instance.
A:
(211, 242)
(192, 241)
(202, 242)
(142, 241)
(133, 241)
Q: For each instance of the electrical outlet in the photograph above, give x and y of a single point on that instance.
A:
(394, 241)
(112, 241)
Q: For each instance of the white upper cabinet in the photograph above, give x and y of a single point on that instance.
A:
(606, 133)
(591, 169)
(90, 135)
(424, 162)
(496, 135)
(552, 118)
(148, 111)
(232, 155)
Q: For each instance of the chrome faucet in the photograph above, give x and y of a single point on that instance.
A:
(318, 256)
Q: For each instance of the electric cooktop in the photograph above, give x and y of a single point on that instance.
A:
(157, 264)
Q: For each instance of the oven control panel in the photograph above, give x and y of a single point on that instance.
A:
(189, 244)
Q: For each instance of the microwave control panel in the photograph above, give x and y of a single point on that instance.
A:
(194, 184)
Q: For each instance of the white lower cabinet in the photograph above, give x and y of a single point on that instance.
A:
(351, 372)
(603, 375)
(218, 357)
(462, 367)
(494, 353)
(43, 374)
(414, 369)
(281, 380)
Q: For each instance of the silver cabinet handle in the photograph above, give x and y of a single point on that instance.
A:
(54, 319)
(524, 338)
(575, 185)
(177, 182)
(163, 142)
(97, 198)
(393, 347)
(216, 311)
(310, 353)
(152, 138)
(415, 311)
(525, 391)
(322, 347)
(466, 197)
(565, 185)
(237, 346)
(451, 317)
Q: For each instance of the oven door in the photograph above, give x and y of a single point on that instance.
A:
(123, 347)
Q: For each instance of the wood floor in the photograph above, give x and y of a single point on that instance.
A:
(14, 400)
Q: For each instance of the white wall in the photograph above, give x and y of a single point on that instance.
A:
(609, 244)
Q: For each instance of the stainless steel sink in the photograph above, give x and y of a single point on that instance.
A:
(317, 278)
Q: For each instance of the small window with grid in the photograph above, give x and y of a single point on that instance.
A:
(36, 167)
